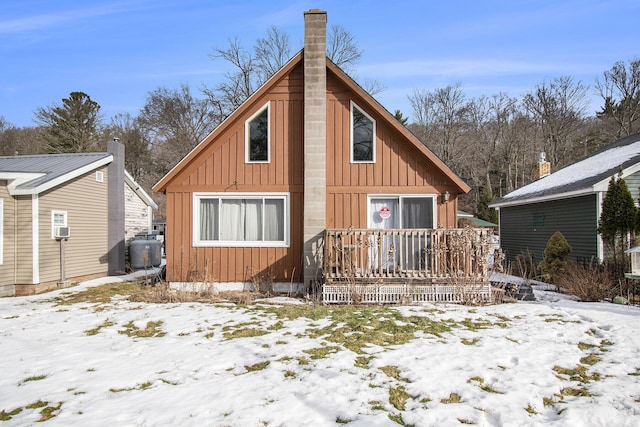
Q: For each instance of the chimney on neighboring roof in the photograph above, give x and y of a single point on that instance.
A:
(542, 168)
(116, 210)
(315, 150)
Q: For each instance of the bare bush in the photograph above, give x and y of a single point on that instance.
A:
(589, 282)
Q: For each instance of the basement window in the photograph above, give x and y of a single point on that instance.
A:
(363, 136)
(257, 137)
(241, 219)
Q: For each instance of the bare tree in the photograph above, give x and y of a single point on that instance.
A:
(440, 121)
(558, 108)
(342, 49)
(174, 121)
(271, 53)
(620, 91)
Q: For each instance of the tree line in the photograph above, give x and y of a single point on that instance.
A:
(491, 141)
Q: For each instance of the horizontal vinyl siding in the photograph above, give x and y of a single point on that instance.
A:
(221, 167)
(137, 217)
(575, 218)
(7, 268)
(24, 240)
(85, 201)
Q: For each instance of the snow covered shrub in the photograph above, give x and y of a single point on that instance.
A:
(590, 282)
(555, 257)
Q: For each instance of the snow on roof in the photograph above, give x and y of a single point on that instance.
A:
(581, 175)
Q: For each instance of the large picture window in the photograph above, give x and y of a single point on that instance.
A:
(363, 136)
(257, 136)
(241, 219)
(402, 212)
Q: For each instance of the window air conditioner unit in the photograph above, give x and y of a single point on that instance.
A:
(62, 232)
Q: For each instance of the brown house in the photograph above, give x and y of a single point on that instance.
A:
(307, 154)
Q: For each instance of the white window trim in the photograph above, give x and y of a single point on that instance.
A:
(1, 231)
(197, 242)
(99, 176)
(353, 104)
(247, 131)
(54, 225)
(434, 201)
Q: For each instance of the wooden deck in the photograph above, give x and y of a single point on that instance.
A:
(401, 265)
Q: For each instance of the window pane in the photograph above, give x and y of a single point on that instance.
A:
(417, 212)
(258, 137)
(59, 219)
(209, 219)
(362, 136)
(241, 220)
(274, 220)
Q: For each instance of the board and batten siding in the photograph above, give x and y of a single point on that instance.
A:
(529, 227)
(400, 168)
(8, 247)
(221, 167)
(85, 201)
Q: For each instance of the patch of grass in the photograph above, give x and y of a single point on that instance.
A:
(107, 323)
(151, 330)
(484, 387)
(6, 416)
(465, 421)
(453, 398)
(363, 362)
(142, 386)
(591, 359)
(530, 409)
(398, 397)
(376, 405)
(340, 420)
(578, 374)
(322, 352)
(209, 335)
(11, 317)
(636, 373)
(289, 374)
(572, 391)
(257, 366)
(586, 346)
(276, 326)
(513, 340)
(548, 401)
(33, 378)
(49, 412)
(467, 341)
(37, 404)
(397, 418)
(393, 372)
(100, 294)
(243, 333)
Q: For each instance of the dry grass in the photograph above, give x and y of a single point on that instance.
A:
(163, 293)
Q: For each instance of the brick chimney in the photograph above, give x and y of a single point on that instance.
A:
(542, 168)
(315, 149)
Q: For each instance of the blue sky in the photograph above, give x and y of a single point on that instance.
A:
(119, 51)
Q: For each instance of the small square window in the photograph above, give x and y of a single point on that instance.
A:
(257, 137)
(99, 176)
(58, 219)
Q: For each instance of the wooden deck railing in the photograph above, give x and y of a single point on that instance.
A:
(406, 255)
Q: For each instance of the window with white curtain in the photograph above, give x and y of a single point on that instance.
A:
(241, 219)
(411, 211)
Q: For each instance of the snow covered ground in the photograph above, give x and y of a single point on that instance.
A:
(551, 362)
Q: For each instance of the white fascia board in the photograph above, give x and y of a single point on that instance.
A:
(64, 178)
(548, 198)
(604, 184)
(16, 178)
(139, 191)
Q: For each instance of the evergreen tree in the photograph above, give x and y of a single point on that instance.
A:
(484, 211)
(555, 258)
(617, 220)
(72, 127)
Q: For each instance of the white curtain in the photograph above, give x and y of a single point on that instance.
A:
(241, 220)
(377, 221)
(274, 220)
(252, 219)
(209, 219)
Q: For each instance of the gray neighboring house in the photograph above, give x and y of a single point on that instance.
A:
(569, 201)
(87, 196)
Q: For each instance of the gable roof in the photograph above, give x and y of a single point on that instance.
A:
(589, 175)
(343, 78)
(37, 173)
(128, 179)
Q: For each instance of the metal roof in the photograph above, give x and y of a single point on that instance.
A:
(37, 173)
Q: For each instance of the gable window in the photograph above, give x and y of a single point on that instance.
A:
(363, 136)
(241, 219)
(257, 136)
(58, 219)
